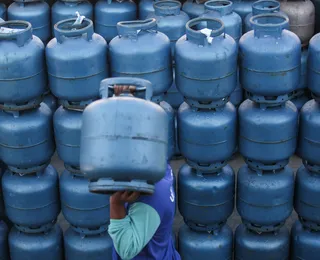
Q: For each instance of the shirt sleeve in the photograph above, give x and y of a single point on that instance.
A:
(132, 233)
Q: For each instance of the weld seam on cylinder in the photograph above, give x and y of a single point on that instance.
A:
(67, 145)
(273, 72)
(209, 205)
(40, 207)
(268, 142)
(310, 205)
(112, 137)
(75, 78)
(312, 141)
(204, 144)
(87, 209)
(23, 147)
(143, 73)
(24, 78)
(315, 71)
(263, 206)
(212, 79)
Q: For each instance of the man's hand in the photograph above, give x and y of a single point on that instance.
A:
(118, 89)
(117, 201)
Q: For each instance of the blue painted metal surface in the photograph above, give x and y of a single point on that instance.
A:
(307, 191)
(170, 20)
(268, 135)
(51, 101)
(265, 200)
(205, 246)
(243, 8)
(22, 65)
(26, 246)
(206, 72)
(66, 9)
(3, 168)
(304, 67)
(250, 245)
(206, 200)
(125, 148)
(223, 10)
(236, 96)
(87, 212)
(207, 138)
(81, 247)
(305, 243)
(171, 127)
(270, 58)
(3, 11)
(193, 9)
(76, 61)
(109, 13)
(145, 8)
(309, 139)
(67, 130)
(32, 200)
(4, 251)
(26, 138)
(141, 51)
(313, 65)
(173, 96)
(262, 7)
(36, 12)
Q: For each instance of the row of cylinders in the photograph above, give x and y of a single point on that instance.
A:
(108, 13)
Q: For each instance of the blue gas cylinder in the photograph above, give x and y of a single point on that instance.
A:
(36, 12)
(3, 11)
(242, 8)
(206, 200)
(32, 200)
(67, 124)
(126, 147)
(31, 246)
(307, 191)
(313, 65)
(22, 66)
(262, 7)
(250, 245)
(83, 247)
(109, 13)
(268, 135)
(141, 51)
(173, 96)
(265, 199)
(305, 243)
(51, 101)
(76, 61)
(4, 251)
(205, 245)
(26, 138)
(223, 10)
(3, 168)
(207, 137)
(171, 128)
(309, 139)
(66, 9)
(270, 58)
(170, 20)
(145, 8)
(193, 9)
(206, 71)
(87, 212)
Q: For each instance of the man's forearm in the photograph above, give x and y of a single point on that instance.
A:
(117, 211)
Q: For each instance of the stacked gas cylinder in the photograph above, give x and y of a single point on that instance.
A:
(305, 232)
(30, 185)
(76, 65)
(206, 75)
(267, 137)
